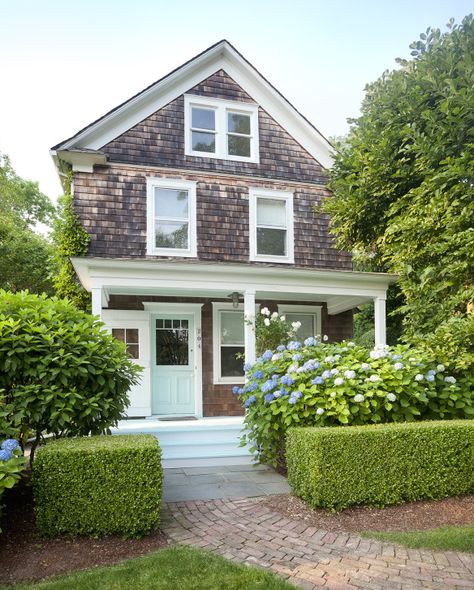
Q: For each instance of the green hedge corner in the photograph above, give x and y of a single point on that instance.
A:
(338, 467)
(98, 485)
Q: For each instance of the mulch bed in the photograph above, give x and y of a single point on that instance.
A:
(25, 556)
(406, 517)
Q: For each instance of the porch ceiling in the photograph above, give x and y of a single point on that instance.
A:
(341, 290)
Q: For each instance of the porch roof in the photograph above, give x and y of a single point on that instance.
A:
(340, 289)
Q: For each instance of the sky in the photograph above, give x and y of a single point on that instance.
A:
(65, 63)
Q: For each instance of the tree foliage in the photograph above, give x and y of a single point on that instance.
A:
(70, 239)
(24, 253)
(403, 182)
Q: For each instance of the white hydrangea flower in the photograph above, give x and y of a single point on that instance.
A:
(365, 366)
(320, 411)
(275, 315)
(329, 359)
(334, 371)
(292, 368)
(333, 394)
(349, 374)
(283, 318)
(337, 357)
(391, 397)
(398, 366)
(351, 344)
(265, 311)
(359, 398)
(338, 381)
(374, 378)
(419, 377)
(276, 356)
(450, 379)
(266, 321)
(296, 325)
(440, 368)
(325, 338)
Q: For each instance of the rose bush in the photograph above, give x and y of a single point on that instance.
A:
(320, 384)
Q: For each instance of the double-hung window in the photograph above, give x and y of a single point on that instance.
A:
(216, 128)
(228, 339)
(171, 217)
(271, 225)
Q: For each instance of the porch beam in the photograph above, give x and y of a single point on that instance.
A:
(380, 321)
(249, 326)
(97, 301)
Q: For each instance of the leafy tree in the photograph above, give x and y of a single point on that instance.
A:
(60, 372)
(24, 253)
(403, 184)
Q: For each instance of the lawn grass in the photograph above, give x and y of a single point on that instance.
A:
(445, 538)
(175, 568)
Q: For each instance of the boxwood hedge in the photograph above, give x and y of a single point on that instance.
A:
(98, 485)
(382, 464)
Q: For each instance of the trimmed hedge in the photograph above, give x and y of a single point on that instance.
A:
(98, 485)
(337, 467)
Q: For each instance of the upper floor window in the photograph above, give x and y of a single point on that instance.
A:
(271, 225)
(216, 128)
(171, 217)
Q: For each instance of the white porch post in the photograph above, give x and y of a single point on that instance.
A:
(380, 321)
(97, 301)
(249, 328)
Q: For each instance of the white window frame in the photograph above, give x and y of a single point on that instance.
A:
(260, 193)
(314, 310)
(217, 308)
(221, 108)
(174, 184)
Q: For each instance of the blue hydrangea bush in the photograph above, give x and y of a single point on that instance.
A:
(12, 465)
(321, 384)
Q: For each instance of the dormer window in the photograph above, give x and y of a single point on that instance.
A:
(216, 128)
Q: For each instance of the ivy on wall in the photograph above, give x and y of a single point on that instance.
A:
(70, 239)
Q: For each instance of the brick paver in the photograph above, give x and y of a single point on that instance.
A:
(245, 530)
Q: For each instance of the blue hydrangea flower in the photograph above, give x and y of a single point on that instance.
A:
(10, 444)
(293, 345)
(311, 341)
(312, 365)
(286, 380)
(431, 372)
(247, 367)
(450, 379)
(396, 357)
(430, 378)
(267, 355)
(297, 394)
(268, 385)
(292, 400)
(258, 374)
(318, 380)
(297, 356)
(269, 397)
(235, 390)
(249, 401)
(259, 359)
(281, 348)
(326, 374)
(283, 391)
(5, 455)
(251, 387)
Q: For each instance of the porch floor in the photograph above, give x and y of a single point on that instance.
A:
(212, 483)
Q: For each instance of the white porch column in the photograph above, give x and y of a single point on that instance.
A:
(380, 321)
(249, 327)
(97, 301)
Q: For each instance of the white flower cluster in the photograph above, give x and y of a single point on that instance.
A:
(320, 411)
(265, 311)
(374, 378)
(391, 397)
(359, 398)
(349, 374)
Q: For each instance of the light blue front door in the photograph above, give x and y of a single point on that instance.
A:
(173, 368)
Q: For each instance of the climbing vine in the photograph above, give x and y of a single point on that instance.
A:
(70, 239)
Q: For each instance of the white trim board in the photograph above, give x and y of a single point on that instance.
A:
(220, 56)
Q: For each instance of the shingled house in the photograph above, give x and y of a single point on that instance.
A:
(198, 194)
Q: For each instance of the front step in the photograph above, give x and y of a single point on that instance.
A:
(197, 443)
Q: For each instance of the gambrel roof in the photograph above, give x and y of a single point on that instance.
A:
(221, 56)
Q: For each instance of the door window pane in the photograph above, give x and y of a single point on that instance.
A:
(231, 366)
(232, 327)
(171, 203)
(203, 118)
(171, 234)
(271, 241)
(271, 212)
(203, 142)
(308, 324)
(172, 347)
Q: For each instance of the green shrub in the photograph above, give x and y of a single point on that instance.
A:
(98, 485)
(381, 464)
(60, 372)
(318, 384)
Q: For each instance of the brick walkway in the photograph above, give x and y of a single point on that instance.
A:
(244, 530)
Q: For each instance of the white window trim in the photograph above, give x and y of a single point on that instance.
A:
(307, 309)
(217, 307)
(286, 196)
(221, 108)
(176, 184)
